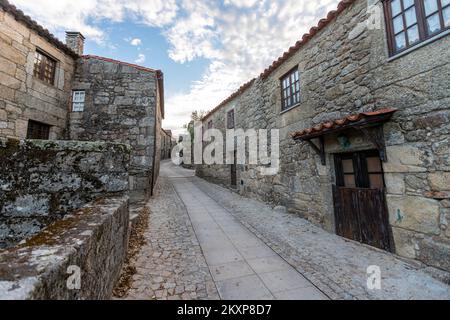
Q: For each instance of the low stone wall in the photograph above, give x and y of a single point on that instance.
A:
(76, 258)
(42, 181)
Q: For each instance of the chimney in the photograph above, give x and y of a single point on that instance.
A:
(75, 41)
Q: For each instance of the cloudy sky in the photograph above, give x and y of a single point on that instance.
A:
(206, 48)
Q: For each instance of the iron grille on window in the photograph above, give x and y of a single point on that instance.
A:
(44, 67)
(38, 130)
(410, 22)
(290, 85)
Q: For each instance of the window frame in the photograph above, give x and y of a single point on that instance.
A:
(42, 129)
(421, 21)
(288, 74)
(78, 102)
(231, 124)
(361, 171)
(46, 60)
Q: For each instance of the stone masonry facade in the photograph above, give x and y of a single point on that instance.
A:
(124, 103)
(22, 96)
(345, 69)
(167, 144)
(120, 107)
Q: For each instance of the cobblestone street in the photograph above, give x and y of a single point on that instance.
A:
(206, 242)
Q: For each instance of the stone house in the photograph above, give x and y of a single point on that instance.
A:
(50, 90)
(362, 107)
(167, 144)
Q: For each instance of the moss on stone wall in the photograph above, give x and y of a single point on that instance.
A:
(44, 180)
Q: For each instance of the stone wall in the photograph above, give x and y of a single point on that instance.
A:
(22, 96)
(42, 181)
(121, 106)
(166, 145)
(92, 242)
(158, 128)
(345, 69)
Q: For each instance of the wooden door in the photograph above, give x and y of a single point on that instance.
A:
(359, 199)
(234, 171)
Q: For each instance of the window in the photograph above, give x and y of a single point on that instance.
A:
(359, 170)
(290, 86)
(230, 119)
(38, 130)
(78, 101)
(44, 67)
(210, 124)
(410, 22)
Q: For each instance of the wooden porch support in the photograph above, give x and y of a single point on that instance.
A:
(370, 125)
(320, 150)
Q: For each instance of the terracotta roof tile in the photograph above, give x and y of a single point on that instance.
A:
(33, 25)
(335, 124)
(234, 95)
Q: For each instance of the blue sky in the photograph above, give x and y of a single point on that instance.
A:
(206, 48)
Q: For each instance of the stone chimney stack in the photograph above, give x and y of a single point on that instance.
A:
(75, 41)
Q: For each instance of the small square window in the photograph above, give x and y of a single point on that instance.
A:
(78, 100)
(210, 124)
(38, 131)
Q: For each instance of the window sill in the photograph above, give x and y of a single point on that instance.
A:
(420, 45)
(51, 85)
(290, 108)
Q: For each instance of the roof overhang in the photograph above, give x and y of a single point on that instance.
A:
(358, 121)
(370, 124)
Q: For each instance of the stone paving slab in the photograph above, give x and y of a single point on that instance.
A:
(171, 266)
(337, 266)
(239, 261)
(206, 242)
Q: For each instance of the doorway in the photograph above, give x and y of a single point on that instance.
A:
(234, 170)
(359, 199)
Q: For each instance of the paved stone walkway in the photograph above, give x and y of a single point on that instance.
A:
(171, 265)
(207, 242)
(243, 267)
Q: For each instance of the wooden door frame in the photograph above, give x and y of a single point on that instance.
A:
(362, 182)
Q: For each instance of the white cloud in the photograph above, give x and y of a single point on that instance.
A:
(140, 59)
(239, 38)
(136, 42)
(83, 15)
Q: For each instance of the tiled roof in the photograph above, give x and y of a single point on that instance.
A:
(340, 123)
(121, 63)
(288, 54)
(234, 95)
(307, 36)
(33, 25)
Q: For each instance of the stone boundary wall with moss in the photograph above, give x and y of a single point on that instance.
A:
(42, 181)
(77, 258)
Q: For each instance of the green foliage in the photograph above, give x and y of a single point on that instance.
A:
(195, 116)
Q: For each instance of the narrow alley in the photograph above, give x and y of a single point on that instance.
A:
(206, 242)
